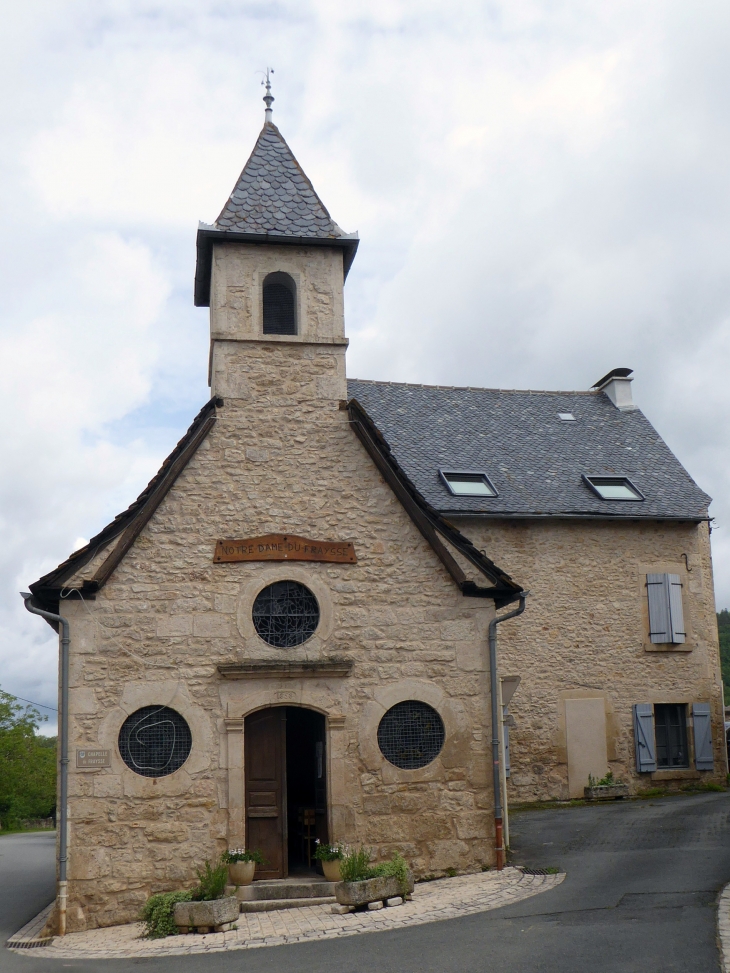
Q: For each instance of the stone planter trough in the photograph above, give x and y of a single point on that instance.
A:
(241, 873)
(216, 915)
(371, 890)
(606, 792)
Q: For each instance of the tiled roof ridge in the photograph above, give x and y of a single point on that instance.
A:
(476, 388)
(254, 208)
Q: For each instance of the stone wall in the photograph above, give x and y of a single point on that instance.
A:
(585, 634)
(283, 459)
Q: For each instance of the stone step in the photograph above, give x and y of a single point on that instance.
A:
(284, 888)
(274, 905)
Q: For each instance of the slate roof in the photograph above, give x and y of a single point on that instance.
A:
(534, 459)
(273, 195)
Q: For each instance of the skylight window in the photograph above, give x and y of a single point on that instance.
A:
(468, 484)
(613, 487)
(566, 417)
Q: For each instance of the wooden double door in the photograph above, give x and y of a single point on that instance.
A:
(285, 776)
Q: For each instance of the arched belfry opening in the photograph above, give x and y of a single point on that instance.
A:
(286, 788)
(280, 303)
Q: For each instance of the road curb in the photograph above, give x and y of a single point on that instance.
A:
(29, 936)
(723, 928)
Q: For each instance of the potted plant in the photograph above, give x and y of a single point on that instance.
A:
(242, 864)
(330, 856)
(209, 908)
(608, 788)
(363, 883)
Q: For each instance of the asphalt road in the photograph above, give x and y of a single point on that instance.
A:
(639, 897)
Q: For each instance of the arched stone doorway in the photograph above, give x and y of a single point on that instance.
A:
(286, 787)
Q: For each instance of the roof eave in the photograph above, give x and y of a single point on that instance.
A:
(207, 236)
(567, 515)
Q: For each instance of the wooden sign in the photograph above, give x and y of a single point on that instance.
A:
(284, 547)
(93, 758)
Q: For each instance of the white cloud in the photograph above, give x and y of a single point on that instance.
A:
(540, 190)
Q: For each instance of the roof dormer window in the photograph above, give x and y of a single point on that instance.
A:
(468, 483)
(613, 487)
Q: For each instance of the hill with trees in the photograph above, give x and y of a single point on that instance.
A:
(27, 765)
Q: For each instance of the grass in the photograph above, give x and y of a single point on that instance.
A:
(24, 831)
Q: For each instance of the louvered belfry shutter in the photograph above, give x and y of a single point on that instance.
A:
(666, 615)
(676, 612)
(644, 738)
(704, 759)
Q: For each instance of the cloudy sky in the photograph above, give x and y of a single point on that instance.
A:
(541, 189)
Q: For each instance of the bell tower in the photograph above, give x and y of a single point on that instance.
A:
(272, 270)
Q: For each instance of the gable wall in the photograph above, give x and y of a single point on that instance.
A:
(280, 461)
(584, 634)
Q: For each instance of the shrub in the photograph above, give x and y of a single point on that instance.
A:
(328, 853)
(158, 913)
(606, 781)
(212, 881)
(241, 855)
(355, 867)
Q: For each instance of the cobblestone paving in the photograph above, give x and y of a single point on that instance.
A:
(446, 898)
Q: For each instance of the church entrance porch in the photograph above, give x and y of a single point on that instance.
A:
(286, 788)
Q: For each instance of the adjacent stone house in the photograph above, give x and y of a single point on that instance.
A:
(285, 636)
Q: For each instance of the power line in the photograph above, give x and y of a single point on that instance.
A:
(22, 700)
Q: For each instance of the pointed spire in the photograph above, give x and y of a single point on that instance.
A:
(268, 98)
(273, 195)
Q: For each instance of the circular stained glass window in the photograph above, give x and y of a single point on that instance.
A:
(285, 614)
(155, 741)
(411, 734)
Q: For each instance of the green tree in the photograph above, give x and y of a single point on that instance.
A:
(27, 764)
(723, 628)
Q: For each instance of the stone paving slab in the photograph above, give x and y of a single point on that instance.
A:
(447, 898)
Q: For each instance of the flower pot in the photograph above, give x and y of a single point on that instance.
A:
(371, 890)
(606, 792)
(332, 870)
(241, 873)
(206, 915)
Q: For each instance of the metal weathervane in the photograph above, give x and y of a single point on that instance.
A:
(268, 97)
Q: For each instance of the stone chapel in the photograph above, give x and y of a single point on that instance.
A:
(285, 636)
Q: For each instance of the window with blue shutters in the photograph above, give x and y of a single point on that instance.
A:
(670, 733)
(666, 615)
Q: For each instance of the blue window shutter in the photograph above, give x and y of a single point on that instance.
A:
(676, 612)
(505, 730)
(644, 738)
(657, 589)
(703, 736)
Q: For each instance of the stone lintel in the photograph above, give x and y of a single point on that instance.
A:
(268, 668)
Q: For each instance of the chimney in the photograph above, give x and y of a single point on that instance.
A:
(617, 386)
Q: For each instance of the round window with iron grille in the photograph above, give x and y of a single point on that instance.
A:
(155, 741)
(411, 734)
(285, 614)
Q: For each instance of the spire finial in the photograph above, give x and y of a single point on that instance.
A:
(268, 97)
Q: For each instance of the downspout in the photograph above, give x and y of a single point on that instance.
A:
(63, 811)
(494, 694)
